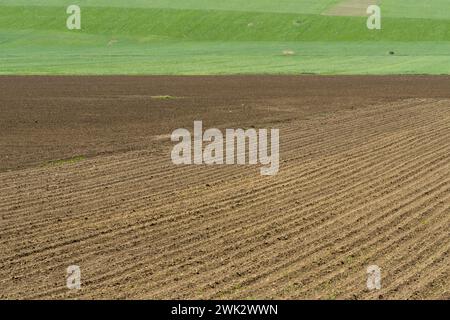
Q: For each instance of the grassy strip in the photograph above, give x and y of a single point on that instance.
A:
(65, 161)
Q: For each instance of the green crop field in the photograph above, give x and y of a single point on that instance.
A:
(222, 37)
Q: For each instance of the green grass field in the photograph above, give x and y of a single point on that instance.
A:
(222, 37)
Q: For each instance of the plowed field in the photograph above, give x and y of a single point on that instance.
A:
(364, 180)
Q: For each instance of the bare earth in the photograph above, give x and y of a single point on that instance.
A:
(364, 180)
(356, 8)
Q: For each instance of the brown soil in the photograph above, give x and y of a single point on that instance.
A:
(355, 8)
(364, 180)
